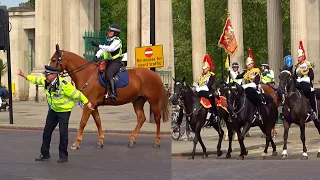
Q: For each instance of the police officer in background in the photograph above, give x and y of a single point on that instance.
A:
(267, 74)
(234, 72)
(112, 52)
(60, 97)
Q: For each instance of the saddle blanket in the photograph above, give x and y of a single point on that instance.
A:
(220, 103)
(121, 79)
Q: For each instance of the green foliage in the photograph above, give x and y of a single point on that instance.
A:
(32, 2)
(3, 69)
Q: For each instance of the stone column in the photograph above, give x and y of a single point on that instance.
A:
(198, 37)
(56, 26)
(66, 25)
(313, 26)
(298, 26)
(275, 39)
(145, 22)
(74, 30)
(133, 30)
(86, 22)
(42, 36)
(97, 23)
(235, 10)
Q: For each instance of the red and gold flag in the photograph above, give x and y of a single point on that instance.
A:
(228, 38)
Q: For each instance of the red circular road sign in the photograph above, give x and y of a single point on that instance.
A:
(148, 52)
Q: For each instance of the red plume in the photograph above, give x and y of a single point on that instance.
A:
(207, 58)
(251, 56)
(301, 47)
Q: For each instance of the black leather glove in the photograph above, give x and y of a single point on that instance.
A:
(94, 44)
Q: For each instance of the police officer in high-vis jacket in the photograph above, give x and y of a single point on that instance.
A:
(61, 96)
(234, 72)
(111, 52)
(267, 74)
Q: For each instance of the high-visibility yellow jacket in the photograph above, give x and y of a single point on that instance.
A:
(61, 98)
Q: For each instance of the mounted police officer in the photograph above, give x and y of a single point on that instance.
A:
(112, 53)
(305, 75)
(234, 72)
(267, 74)
(204, 85)
(252, 79)
(60, 97)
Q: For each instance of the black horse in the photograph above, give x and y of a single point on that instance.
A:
(242, 114)
(295, 109)
(196, 113)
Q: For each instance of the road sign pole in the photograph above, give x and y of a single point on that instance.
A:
(152, 40)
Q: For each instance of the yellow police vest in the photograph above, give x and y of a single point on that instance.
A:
(108, 55)
(204, 79)
(267, 78)
(250, 75)
(62, 99)
(234, 80)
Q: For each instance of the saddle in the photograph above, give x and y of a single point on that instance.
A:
(221, 103)
(121, 78)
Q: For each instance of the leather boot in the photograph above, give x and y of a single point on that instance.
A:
(113, 95)
(314, 110)
(42, 157)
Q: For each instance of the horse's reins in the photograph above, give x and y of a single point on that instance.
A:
(234, 114)
(182, 104)
(78, 69)
(288, 94)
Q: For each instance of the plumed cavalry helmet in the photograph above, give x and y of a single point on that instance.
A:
(235, 65)
(115, 28)
(249, 61)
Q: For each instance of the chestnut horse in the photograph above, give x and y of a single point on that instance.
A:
(269, 90)
(144, 85)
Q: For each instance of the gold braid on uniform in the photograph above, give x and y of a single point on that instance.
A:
(248, 78)
(205, 77)
(304, 73)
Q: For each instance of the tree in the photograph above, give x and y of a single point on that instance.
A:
(32, 3)
(3, 67)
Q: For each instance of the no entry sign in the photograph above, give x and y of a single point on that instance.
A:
(149, 56)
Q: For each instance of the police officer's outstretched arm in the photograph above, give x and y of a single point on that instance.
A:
(70, 91)
(39, 80)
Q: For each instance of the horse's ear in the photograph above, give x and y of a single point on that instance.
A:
(184, 78)
(57, 47)
(280, 70)
(174, 79)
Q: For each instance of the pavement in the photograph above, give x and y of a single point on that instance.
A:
(117, 119)
(114, 161)
(210, 139)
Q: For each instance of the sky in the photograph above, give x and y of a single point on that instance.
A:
(11, 3)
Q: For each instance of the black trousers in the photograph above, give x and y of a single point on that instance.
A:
(53, 118)
(253, 96)
(210, 96)
(311, 95)
(113, 68)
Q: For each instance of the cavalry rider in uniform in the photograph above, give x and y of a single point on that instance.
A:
(252, 79)
(112, 52)
(204, 85)
(267, 74)
(305, 75)
(234, 72)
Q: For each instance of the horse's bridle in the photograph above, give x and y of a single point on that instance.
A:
(286, 93)
(235, 114)
(180, 101)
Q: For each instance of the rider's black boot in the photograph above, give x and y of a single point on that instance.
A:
(314, 111)
(214, 108)
(113, 95)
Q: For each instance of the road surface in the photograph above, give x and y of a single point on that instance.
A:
(115, 161)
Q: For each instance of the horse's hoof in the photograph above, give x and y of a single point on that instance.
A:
(275, 153)
(247, 135)
(131, 144)
(304, 157)
(99, 146)
(228, 156)
(204, 156)
(219, 153)
(74, 146)
(156, 145)
(262, 157)
(246, 153)
(284, 156)
(191, 158)
(318, 155)
(240, 157)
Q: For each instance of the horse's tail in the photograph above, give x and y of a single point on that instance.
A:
(164, 105)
